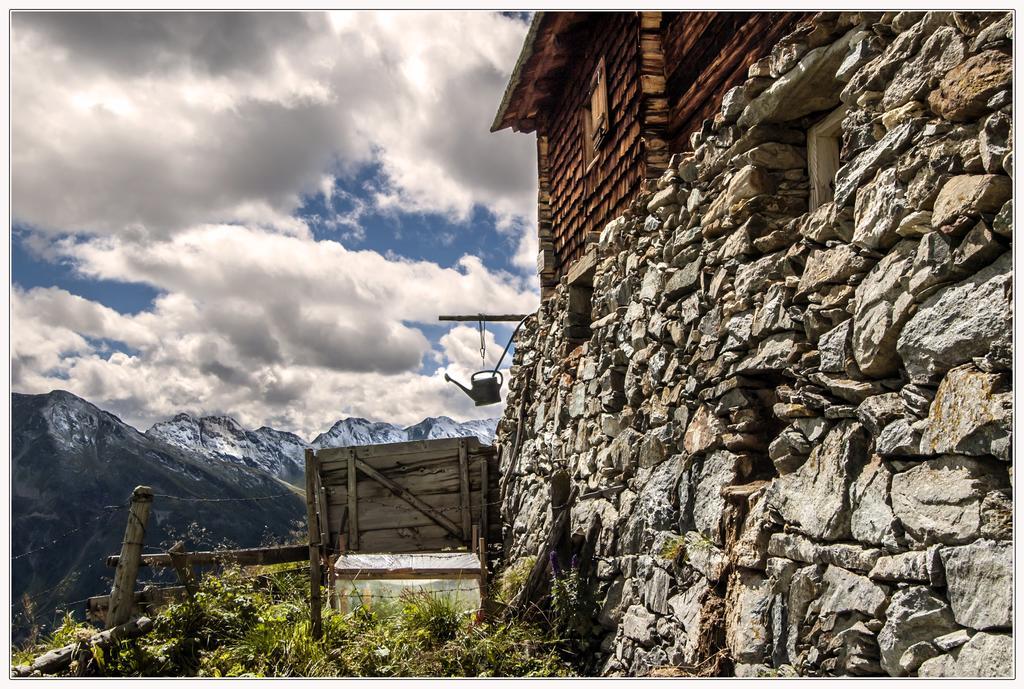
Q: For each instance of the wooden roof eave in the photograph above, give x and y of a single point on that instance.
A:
(542, 55)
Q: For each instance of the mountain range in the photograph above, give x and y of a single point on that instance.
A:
(281, 454)
(74, 466)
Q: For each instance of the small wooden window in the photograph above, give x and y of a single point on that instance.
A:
(594, 117)
(823, 144)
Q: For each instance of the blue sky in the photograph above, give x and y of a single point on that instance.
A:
(262, 215)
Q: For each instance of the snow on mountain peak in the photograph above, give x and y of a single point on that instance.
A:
(280, 453)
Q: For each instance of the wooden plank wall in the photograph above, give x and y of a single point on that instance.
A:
(429, 470)
(581, 202)
(706, 54)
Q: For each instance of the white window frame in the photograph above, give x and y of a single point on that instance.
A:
(824, 139)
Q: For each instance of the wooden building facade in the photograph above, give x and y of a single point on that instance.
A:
(610, 95)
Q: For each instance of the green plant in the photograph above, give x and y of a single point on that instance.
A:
(674, 548)
(571, 603)
(240, 625)
(510, 582)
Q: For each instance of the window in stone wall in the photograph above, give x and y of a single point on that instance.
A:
(594, 117)
(823, 143)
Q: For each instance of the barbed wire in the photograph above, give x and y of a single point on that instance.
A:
(39, 594)
(109, 511)
(183, 498)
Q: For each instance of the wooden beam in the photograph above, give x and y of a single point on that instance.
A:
(60, 659)
(484, 493)
(408, 573)
(490, 318)
(146, 602)
(353, 504)
(180, 563)
(464, 507)
(314, 546)
(121, 595)
(581, 272)
(321, 508)
(423, 507)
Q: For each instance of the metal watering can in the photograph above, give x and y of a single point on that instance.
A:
(483, 390)
(485, 386)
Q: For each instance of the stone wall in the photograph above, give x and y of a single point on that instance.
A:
(789, 431)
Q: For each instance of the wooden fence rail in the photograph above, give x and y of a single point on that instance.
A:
(273, 555)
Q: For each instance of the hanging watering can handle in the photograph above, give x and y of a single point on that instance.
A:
(489, 372)
(510, 339)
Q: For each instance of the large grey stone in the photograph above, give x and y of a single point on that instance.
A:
(656, 591)
(703, 432)
(965, 90)
(979, 583)
(942, 50)
(689, 612)
(717, 470)
(831, 267)
(914, 615)
(898, 439)
(653, 511)
(747, 625)
(985, 655)
(879, 314)
(878, 411)
(940, 501)
(972, 414)
(775, 353)
(960, 322)
(903, 567)
(835, 348)
(774, 156)
(755, 276)
(704, 556)
(969, 196)
(638, 625)
(848, 592)
(814, 498)
(809, 87)
(994, 140)
(872, 519)
(878, 210)
(868, 162)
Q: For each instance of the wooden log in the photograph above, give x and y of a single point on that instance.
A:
(321, 508)
(60, 659)
(180, 563)
(273, 555)
(314, 546)
(482, 552)
(146, 602)
(464, 507)
(562, 497)
(353, 505)
(409, 498)
(410, 573)
(485, 493)
(515, 317)
(121, 595)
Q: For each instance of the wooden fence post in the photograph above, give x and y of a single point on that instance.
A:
(464, 508)
(122, 595)
(314, 545)
(182, 567)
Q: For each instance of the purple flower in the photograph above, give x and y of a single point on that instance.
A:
(556, 569)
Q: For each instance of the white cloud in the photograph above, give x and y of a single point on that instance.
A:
(263, 326)
(165, 120)
(173, 149)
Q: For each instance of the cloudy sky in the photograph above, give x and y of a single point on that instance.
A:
(263, 214)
